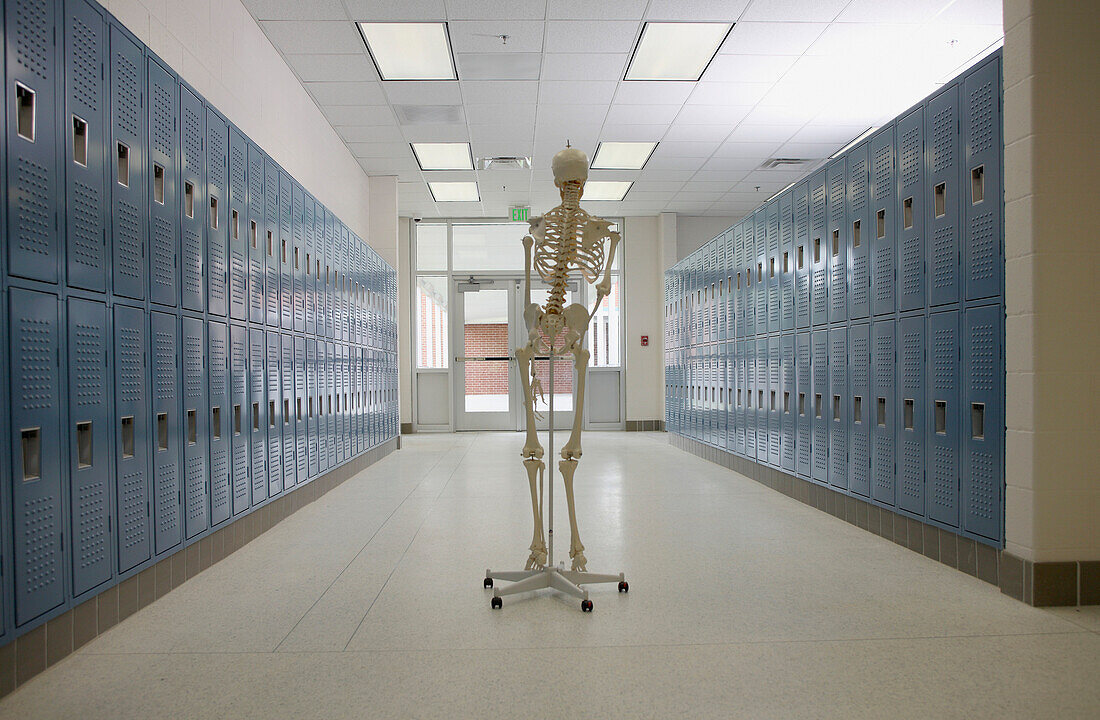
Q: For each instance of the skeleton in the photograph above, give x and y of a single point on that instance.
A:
(564, 243)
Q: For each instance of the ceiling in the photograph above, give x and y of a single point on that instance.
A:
(794, 79)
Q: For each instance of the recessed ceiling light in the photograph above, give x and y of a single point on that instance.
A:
(622, 155)
(454, 191)
(410, 50)
(443, 156)
(675, 50)
(613, 190)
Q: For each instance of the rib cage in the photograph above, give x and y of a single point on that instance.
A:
(563, 248)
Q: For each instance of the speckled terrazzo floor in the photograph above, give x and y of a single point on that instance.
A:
(743, 603)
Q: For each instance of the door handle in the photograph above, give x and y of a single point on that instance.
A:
(460, 358)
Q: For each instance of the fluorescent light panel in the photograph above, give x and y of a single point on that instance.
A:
(454, 191)
(675, 50)
(410, 50)
(612, 190)
(622, 155)
(443, 156)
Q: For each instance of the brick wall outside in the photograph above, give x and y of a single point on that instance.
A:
(491, 378)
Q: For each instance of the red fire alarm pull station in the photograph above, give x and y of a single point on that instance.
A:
(645, 341)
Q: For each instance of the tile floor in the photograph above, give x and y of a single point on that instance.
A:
(743, 603)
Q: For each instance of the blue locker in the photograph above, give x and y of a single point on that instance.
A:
(330, 407)
(164, 341)
(241, 417)
(787, 402)
(301, 403)
(85, 147)
(786, 267)
(763, 430)
(89, 443)
(194, 215)
(300, 266)
(239, 253)
(801, 254)
(819, 367)
(748, 230)
(883, 433)
(910, 414)
(910, 210)
(33, 242)
(162, 194)
(740, 428)
(34, 352)
(857, 226)
(943, 196)
(984, 436)
(344, 315)
(983, 259)
(274, 415)
(729, 380)
(837, 241)
(217, 223)
(270, 241)
(322, 413)
(286, 250)
(773, 270)
(751, 438)
(313, 408)
(883, 221)
(254, 235)
(803, 404)
(837, 404)
(127, 161)
(760, 232)
(819, 253)
(221, 493)
(344, 450)
(132, 439)
(290, 463)
(257, 392)
(196, 428)
(944, 413)
(859, 429)
(773, 398)
(309, 277)
(739, 280)
(330, 279)
(315, 239)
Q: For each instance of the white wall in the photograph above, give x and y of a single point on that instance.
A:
(404, 318)
(693, 231)
(644, 303)
(218, 48)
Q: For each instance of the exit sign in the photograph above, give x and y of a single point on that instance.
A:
(521, 214)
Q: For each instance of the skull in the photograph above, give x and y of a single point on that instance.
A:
(570, 164)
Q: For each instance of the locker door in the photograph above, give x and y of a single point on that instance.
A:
(194, 214)
(274, 415)
(89, 443)
(299, 259)
(773, 270)
(344, 315)
(132, 439)
(910, 415)
(85, 129)
(324, 405)
(254, 235)
(310, 275)
(239, 253)
(761, 264)
(944, 412)
(787, 401)
(786, 265)
(34, 248)
(739, 279)
(164, 335)
(943, 196)
(748, 230)
(760, 402)
(217, 221)
(729, 381)
(346, 405)
(910, 210)
(818, 251)
(300, 406)
(857, 229)
(330, 278)
(859, 432)
(803, 404)
(290, 463)
(286, 253)
(883, 434)
(983, 437)
(983, 195)
(801, 255)
(34, 352)
(740, 399)
(883, 220)
(196, 428)
(257, 396)
(221, 505)
(127, 166)
(837, 404)
(819, 367)
(163, 188)
(774, 400)
(240, 417)
(837, 241)
(313, 409)
(330, 406)
(270, 241)
(750, 400)
(337, 400)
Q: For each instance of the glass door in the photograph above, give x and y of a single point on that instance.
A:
(485, 379)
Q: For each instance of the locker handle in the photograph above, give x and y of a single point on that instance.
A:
(84, 445)
(25, 118)
(31, 446)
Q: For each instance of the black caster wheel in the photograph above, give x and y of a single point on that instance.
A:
(496, 603)
(586, 606)
(488, 582)
(624, 587)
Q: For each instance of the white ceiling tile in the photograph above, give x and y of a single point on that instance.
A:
(493, 9)
(578, 36)
(629, 175)
(568, 116)
(667, 175)
(500, 132)
(434, 92)
(780, 115)
(634, 114)
(837, 135)
(488, 114)
(483, 36)
(602, 10)
(808, 150)
(317, 37)
(454, 132)
(450, 175)
(388, 166)
(505, 148)
(687, 208)
(658, 186)
(696, 197)
(763, 133)
(698, 185)
(353, 66)
(696, 10)
(772, 38)
(402, 11)
(654, 198)
(864, 40)
(633, 133)
(584, 66)
(379, 149)
(672, 162)
(576, 91)
(346, 93)
(489, 92)
(890, 11)
(744, 149)
(713, 114)
(641, 92)
(359, 115)
(727, 177)
(728, 93)
(498, 66)
(795, 11)
(748, 68)
(685, 149)
(973, 12)
(372, 133)
(690, 132)
(295, 10)
(733, 164)
(513, 179)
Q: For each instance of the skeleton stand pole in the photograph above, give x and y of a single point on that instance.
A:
(558, 578)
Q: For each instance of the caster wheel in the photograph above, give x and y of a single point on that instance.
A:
(586, 606)
(488, 582)
(624, 587)
(496, 603)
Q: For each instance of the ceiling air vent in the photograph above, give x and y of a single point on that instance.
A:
(504, 163)
(773, 163)
(429, 114)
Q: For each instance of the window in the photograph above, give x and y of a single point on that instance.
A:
(604, 330)
(431, 247)
(431, 322)
(487, 246)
